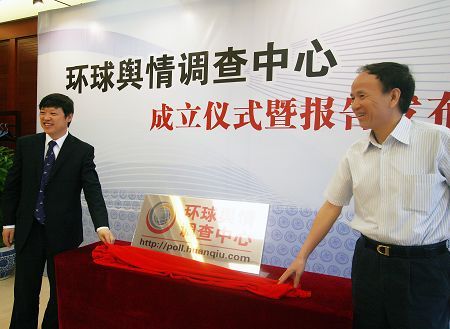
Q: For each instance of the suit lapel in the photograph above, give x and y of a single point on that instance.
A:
(63, 155)
(39, 155)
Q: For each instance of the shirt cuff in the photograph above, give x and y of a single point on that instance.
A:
(101, 228)
(9, 226)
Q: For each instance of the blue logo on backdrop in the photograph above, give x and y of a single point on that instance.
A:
(297, 224)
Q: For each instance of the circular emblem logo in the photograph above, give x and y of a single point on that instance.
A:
(160, 218)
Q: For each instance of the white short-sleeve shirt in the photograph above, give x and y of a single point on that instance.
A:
(401, 187)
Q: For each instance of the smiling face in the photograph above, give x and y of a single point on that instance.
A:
(375, 109)
(54, 122)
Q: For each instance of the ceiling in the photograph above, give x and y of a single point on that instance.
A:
(16, 9)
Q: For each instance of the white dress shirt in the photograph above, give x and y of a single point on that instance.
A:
(58, 145)
(401, 187)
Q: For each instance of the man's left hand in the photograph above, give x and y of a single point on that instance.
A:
(105, 235)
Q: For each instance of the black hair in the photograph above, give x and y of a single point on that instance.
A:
(394, 75)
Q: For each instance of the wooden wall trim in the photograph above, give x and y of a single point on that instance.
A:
(19, 28)
(19, 71)
(12, 74)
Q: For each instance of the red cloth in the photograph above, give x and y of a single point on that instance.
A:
(93, 296)
(157, 263)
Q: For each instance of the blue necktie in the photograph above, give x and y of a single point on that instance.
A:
(49, 160)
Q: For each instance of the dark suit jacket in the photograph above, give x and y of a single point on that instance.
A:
(73, 170)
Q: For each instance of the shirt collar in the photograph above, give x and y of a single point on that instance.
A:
(58, 141)
(401, 133)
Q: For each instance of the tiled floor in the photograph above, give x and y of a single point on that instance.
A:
(6, 300)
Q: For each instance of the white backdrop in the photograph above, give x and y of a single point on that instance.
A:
(288, 168)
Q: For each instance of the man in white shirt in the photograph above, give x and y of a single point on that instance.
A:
(399, 176)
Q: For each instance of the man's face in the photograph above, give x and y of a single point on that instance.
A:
(373, 108)
(54, 122)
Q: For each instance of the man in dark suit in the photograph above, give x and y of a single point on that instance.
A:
(42, 207)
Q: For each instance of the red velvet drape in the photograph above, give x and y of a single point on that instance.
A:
(93, 296)
(157, 263)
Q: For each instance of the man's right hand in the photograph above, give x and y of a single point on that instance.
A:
(8, 236)
(326, 217)
(297, 267)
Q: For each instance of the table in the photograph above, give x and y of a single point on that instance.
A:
(92, 296)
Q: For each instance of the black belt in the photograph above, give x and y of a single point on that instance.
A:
(390, 250)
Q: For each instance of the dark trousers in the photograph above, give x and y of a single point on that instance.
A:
(30, 262)
(400, 293)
